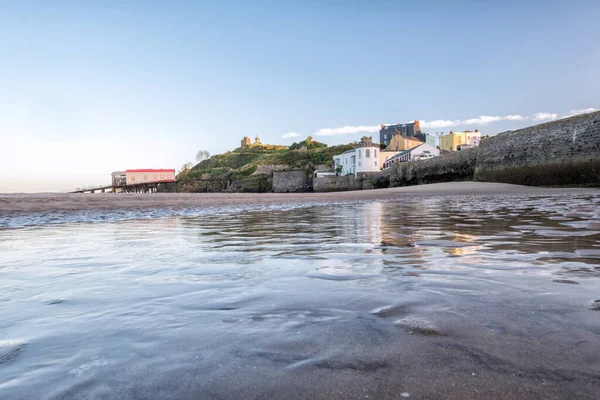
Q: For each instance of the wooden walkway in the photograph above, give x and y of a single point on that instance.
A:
(163, 187)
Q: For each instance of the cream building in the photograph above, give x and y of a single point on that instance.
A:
(453, 139)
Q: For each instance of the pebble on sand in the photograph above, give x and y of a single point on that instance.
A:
(418, 325)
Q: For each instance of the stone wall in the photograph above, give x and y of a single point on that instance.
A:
(292, 181)
(337, 183)
(557, 153)
(269, 169)
(457, 166)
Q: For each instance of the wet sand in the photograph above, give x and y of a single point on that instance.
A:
(46, 202)
(447, 291)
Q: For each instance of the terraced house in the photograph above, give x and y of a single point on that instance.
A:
(454, 140)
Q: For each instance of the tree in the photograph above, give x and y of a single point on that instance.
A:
(202, 155)
(186, 167)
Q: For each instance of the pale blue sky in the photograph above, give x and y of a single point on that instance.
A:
(88, 87)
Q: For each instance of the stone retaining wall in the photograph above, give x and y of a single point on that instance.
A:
(292, 181)
(557, 153)
(336, 183)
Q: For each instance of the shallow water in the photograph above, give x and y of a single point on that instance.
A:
(441, 297)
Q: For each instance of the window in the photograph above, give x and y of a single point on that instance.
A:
(367, 153)
(359, 163)
(375, 153)
(375, 162)
(359, 154)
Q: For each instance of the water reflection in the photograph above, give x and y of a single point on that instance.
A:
(322, 301)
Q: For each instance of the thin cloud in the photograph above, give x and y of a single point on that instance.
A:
(290, 135)
(544, 116)
(481, 120)
(584, 111)
(347, 130)
(439, 123)
(449, 123)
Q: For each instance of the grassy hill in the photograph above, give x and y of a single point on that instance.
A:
(236, 170)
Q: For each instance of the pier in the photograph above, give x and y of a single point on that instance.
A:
(149, 187)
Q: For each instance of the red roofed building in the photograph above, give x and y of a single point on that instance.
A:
(137, 176)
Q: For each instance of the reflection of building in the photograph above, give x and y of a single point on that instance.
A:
(387, 132)
(452, 140)
(361, 223)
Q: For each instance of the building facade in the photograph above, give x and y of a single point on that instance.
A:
(424, 150)
(385, 155)
(359, 160)
(400, 142)
(387, 132)
(452, 140)
(246, 141)
(137, 176)
(428, 138)
(119, 178)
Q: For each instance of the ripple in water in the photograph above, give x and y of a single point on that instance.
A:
(324, 301)
(9, 349)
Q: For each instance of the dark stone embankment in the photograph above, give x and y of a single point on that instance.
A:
(557, 153)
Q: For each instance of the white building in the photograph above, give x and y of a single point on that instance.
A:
(355, 161)
(424, 150)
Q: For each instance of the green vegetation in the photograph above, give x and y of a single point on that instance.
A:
(237, 170)
(308, 144)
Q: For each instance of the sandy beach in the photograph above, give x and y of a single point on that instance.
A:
(445, 291)
(46, 202)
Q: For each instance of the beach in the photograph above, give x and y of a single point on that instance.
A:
(445, 291)
(46, 202)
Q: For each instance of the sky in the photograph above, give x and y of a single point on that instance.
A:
(91, 87)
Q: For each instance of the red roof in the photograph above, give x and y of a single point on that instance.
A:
(151, 170)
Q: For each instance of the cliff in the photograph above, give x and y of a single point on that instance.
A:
(251, 168)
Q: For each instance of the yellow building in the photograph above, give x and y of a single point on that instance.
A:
(400, 142)
(452, 140)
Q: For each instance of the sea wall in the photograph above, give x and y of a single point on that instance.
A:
(457, 166)
(558, 153)
(337, 183)
(291, 181)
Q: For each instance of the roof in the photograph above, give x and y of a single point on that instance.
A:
(150, 170)
(405, 152)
